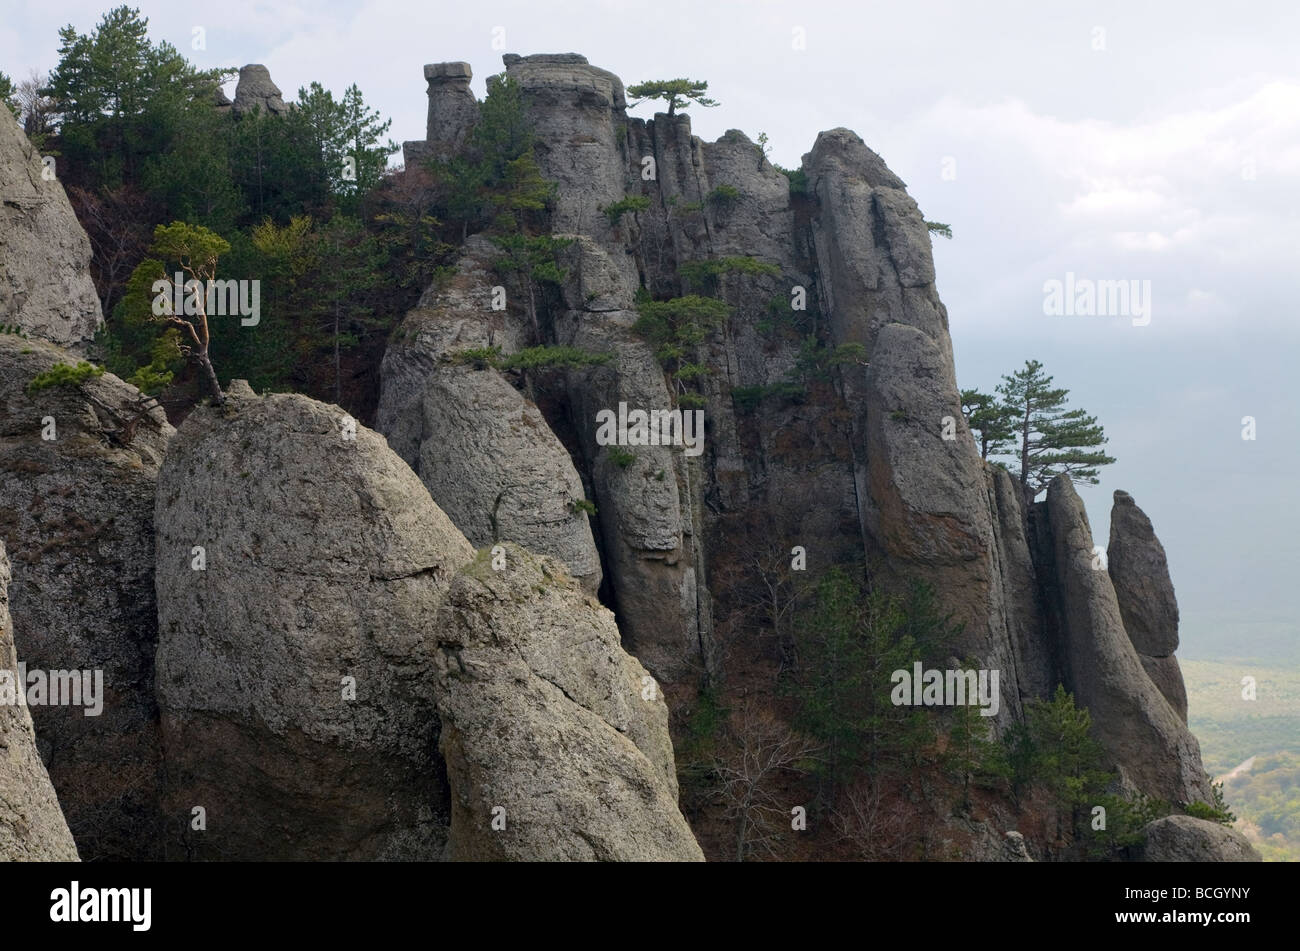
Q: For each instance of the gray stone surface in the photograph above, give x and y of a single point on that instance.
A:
(1134, 723)
(32, 828)
(453, 110)
(45, 284)
(1185, 839)
(548, 727)
(1140, 572)
(77, 514)
(325, 559)
(483, 450)
(255, 90)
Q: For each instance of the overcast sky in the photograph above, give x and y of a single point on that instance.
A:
(1152, 142)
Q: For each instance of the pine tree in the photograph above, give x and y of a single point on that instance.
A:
(1050, 440)
(989, 417)
(678, 93)
(193, 252)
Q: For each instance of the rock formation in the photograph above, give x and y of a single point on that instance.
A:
(45, 285)
(78, 465)
(303, 656)
(32, 828)
(1150, 745)
(1186, 839)
(453, 112)
(295, 658)
(862, 465)
(1140, 573)
(482, 449)
(255, 91)
(556, 741)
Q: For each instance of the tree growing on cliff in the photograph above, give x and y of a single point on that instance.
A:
(991, 419)
(678, 93)
(194, 251)
(1050, 439)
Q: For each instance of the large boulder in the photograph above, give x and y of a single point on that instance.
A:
(78, 467)
(32, 828)
(1185, 839)
(296, 670)
(256, 92)
(45, 285)
(1140, 731)
(556, 741)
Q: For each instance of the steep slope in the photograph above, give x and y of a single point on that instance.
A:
(45, 285)
(78, 466)
(832, 417)
(32, 828)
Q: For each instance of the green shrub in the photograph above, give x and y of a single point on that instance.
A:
(798, 179)
(582, 505)
(620, 457)
(1217, 811)
(547, 357)
(633, 203)
(724, 196)
(61, 374)
(479, 357)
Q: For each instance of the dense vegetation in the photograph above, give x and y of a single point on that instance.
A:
(302, 203)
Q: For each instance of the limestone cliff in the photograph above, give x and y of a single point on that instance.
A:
(45, 285)
(874, 463)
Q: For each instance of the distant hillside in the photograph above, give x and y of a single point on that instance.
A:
(1265, 794)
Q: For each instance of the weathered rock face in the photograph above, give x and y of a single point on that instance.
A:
(45, 285)
(76, 511)
(1151, 746)
(255, 90)
(870, 462)
(295, 673)
(1185, 839)
(484, 451)
(1140, 573)
(453, 113)
(556, 741)
(32, 828)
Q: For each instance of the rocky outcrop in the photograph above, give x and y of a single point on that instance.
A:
(483, 450)
(255, 91)
(32, 828)
(1185, 839)
(296, 664)
(1150, 745)
(869, 461)
(453, 113)
(78, 465)
(925, 503)
(556, 741)
(45, 285)
(1139, 571)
